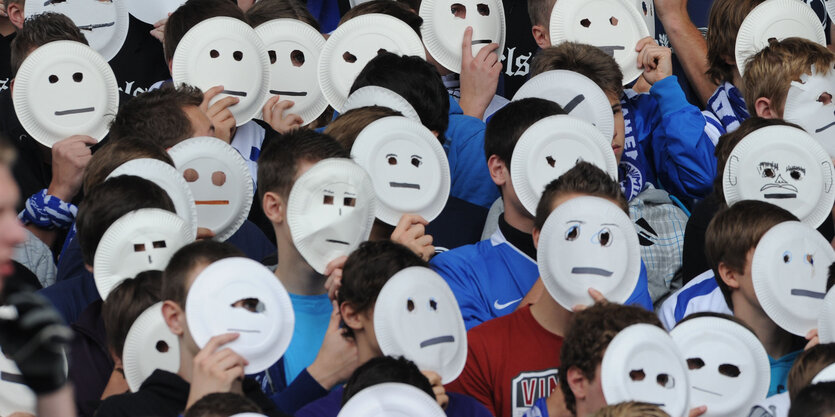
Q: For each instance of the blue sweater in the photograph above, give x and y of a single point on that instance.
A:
(464, 147)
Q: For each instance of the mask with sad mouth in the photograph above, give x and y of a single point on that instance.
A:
(444, 22)
(728, 366)
(588, 242)
(330, 211)
(239, 295)
(416, 316)
(65, 88)
(809, 104)
(789, 270)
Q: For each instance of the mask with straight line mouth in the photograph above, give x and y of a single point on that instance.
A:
(446, 20)
(809, 104)
(104, 23)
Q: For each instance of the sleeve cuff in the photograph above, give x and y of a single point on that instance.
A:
(669, 95)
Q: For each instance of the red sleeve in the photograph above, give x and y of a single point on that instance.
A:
(475, 380)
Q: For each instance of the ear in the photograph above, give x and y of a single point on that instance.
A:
(578, 383)
(536, 233)
(729, 276)
(274, 207)
(541, 36)
(765, 109)
(16, 15)
(174, 317)
(350, 316)
(498, 170)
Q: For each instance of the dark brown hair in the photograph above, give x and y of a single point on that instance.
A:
(401, 11)
(348, 125)
(202, 252)
(125, 303)
(723, 25)
(190, 14)
(157, 116)
(115, 153)
(265, 10)
(587, 60)
(807, 365)
(40, 30)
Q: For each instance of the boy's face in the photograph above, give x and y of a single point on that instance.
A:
(618, 138)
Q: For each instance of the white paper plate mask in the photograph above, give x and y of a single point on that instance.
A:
(141, 240)
(407, 165)
(330, 211)
(444, 23)
(552, 146)
(239, 295)
(579, 96)
(826, 319)
(391, 399)
(789, 271)
(642, 363)
(151, 11)
(171, 181)
(225, 51)
(374, 95)
(103, 23)
(646, 8)
(778, 19)
(589, 242)
(729, 368)
(615, 26)
(783, 166)
(353, 44)
(149, 346)
(416, 316)
(220, 182)
(825, 375)
(293, 48)
(803, 108)
(15, 395)
(65, 88)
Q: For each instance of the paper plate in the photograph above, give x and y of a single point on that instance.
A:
(169, 180)
(552, 146)
(579, 96)
(220, 182)
(830, 8)
(103, 23)
(779, 19)
(783, 166)
(646, 8)
(825, 375)
(225, 51)
(729, 367)
(15, 396)
(330, 211)
(353, 44)
(444, 24)
(152, 11)
(264, 316)
(612, 25)
(293, 48)
(373, 95)
(391, 399)
(826, 319)
(407, 165)
(150, 345)
(642, 363)
(803, 108)
(416, 316)
(141, 240)
(65, 88)
(789, 271)
(588, 242)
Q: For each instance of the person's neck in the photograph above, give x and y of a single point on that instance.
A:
(737, 81)
(6, 27)
(551, 315)
(518, 221)
(186, 362)
(366, 350)
(297, 276)
(776, 341)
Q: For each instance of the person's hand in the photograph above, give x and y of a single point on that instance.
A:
(273, 114)
(411, 232)
(338, 357)
(813, 339)
(334, 273)
(204, 233)
(215, 369)
(159, 28)
(479, 76)
(219, 113)
(35, 340)
(437, 387)
(696, 412)
(3, 12)
(655, 60)
(556, 404)
(597, 296)
(69, 158)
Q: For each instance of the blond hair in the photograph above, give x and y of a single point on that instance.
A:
(631, 409)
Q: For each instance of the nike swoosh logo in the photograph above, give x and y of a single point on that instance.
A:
(498, 306)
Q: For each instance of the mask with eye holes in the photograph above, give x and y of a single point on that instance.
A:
(588, 242)
(444, 22)
(728, 367)
(809, 104)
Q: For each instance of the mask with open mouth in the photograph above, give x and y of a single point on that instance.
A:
(729, 370)
(809, 104)
(789, 270)
(444, 23)
(416, 316)
(104, 23)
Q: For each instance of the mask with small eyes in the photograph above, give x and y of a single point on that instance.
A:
(552, 146)
(416, 316)
(642, 363)
(809, 104)
(407, 165)
(646, 8)
(104, 23)
(330, 211)
(224, 51)
(588, 242)
(728, 367)
(239, 295)
(615, 26)
(789, 271)
(149, 346)
(444, 23)
(293, 48)
(353, 44)
(219, 180)
(65, 88)
(783, 166)
(141, 240)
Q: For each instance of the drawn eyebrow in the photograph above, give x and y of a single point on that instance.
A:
(417, 156)
(795, 167)
(609, 224)
(349, 193)
(390, 155)
(327, 191)
(575, 221)
(769, 165)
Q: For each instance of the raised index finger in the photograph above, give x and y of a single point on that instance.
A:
(467, 45)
